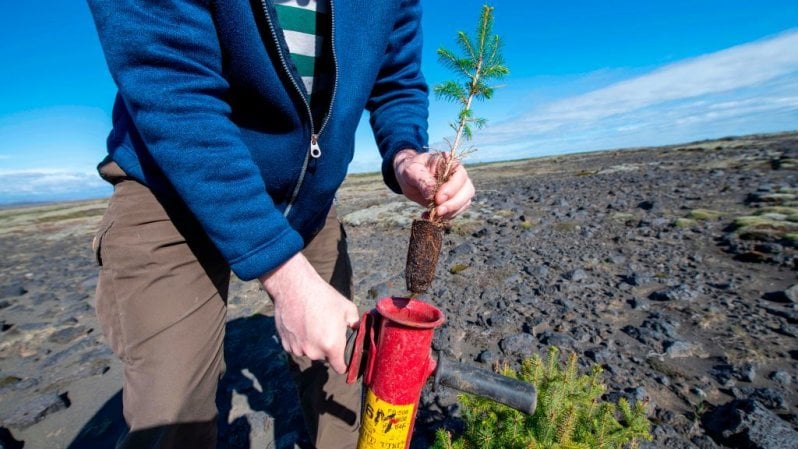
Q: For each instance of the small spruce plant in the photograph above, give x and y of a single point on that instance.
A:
(478, 62)
(570, 413)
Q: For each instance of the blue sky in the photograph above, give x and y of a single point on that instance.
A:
(585, 75)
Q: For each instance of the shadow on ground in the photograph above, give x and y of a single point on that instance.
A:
(257, 400)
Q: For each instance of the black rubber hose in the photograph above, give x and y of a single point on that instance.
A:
(506, 390)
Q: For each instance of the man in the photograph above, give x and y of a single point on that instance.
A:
(226, 153)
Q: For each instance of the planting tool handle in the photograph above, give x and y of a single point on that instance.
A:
(359, 346)
(349, 349)
(505, 390)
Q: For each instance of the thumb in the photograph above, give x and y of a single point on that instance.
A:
(336, 357)
(352, 317)
(337, 363)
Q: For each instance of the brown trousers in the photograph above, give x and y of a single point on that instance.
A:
(161, 302)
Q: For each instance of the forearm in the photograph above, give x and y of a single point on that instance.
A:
(171, 81)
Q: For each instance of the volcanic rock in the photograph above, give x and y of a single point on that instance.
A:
(746, 424)
(35, 409)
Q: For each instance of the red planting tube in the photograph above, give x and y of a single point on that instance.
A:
(398, 366)
(393, 351)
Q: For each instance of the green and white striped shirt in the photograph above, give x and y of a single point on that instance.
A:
(306, 28)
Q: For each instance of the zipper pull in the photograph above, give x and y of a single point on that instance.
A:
(315, 149)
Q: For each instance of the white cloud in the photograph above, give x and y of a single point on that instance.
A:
(49, 183)
(748, 88)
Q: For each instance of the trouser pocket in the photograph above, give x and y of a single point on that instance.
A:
(96, 242)
(153, 272)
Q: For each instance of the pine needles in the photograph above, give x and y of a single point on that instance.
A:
(477, 62)
(570, 413)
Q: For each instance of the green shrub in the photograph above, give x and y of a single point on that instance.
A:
(769, 223)
(622, 217)
(458, 268)
(570, 413)
(505, 213)
(9, 380)
(69, 215)
(777, 210)
(684, 223)
(775, 218)
(785, 199)
(464, 227)
(704, 214)
(566, 226)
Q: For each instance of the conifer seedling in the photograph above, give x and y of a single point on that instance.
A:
(476, 64)
(571, 413)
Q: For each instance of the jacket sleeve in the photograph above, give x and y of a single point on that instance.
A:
(166, 60)
(399, 104)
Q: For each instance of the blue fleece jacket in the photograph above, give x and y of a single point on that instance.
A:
(211, 111)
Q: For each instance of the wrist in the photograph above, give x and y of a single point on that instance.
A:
(285, 276)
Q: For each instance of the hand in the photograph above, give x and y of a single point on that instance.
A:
(310, 315)
(415, 173)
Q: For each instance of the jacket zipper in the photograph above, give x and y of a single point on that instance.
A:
(314, 150)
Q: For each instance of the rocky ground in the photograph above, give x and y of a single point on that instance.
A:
(674, 268)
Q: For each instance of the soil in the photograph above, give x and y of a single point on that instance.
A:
(423, 253)
(630, 258)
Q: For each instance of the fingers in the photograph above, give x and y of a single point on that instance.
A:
(416, 175)
(335, 355)
(330, 345)
(462, 209)
(337, 363)
(332, 352)
(352, 317)
(457, 180)
(455, 196)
